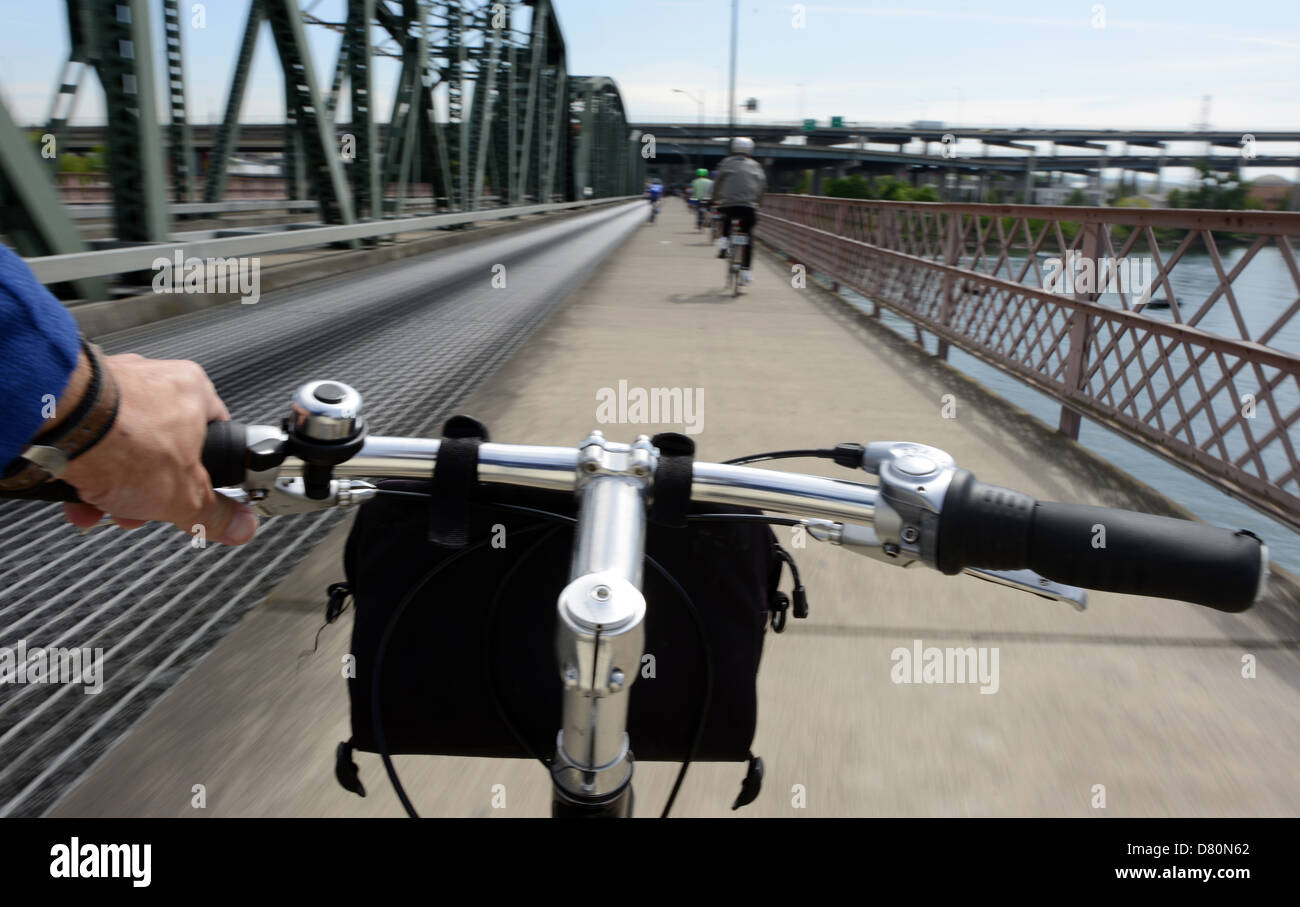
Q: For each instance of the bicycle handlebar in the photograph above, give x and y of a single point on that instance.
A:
(1098, 547)
(971, 526)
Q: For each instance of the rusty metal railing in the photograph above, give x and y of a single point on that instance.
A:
(1211, 383)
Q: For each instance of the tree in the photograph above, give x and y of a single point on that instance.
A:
(1216, 190)
(849, 187)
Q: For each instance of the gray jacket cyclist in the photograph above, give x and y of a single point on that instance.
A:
(737, 192)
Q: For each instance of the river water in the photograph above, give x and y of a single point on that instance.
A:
(1264, 290)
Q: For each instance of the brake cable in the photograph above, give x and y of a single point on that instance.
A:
(849, 454)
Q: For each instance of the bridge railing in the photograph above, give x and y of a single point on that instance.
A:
(1212, 382)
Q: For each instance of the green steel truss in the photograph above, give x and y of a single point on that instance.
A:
(180, 139)
(484, 113)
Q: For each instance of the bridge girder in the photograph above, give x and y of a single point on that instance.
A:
(485, 106)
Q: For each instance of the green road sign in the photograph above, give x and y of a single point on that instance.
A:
(837, 122)
(809, 125)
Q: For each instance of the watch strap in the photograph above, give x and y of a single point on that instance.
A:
(49, 453)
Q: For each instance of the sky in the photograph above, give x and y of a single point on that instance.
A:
(1122, 63)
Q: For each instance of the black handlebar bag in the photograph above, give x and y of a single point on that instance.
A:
(469, 668)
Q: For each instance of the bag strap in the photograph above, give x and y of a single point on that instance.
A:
(672, 485)
(345, 769)
(454, 479)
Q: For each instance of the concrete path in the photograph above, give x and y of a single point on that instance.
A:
(1141, 699)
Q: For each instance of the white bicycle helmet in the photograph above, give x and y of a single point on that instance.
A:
(742, 145)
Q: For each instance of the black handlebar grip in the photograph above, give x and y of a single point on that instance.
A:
(1141, 554)
(223, 457)
(983, 526)
(225, 453)
(1097, 547)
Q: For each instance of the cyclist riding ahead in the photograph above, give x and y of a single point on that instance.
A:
(654, 191)
(701, 196)
(736, 194)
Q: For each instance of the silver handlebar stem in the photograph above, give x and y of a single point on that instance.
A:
(600, 630)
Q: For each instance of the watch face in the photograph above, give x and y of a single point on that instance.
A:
(51, 459)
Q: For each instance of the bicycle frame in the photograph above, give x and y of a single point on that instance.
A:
(738, 240)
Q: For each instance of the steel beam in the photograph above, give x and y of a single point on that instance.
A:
(294, 169)
(228, 132)
(83, 50)
(435, 150)
(180, 140)
(408, 102)
(31, 213)
(135, 144)
(365, 160)
(586, 137)
(341, 66)
(528, 150)
(510, 172)
(63, 104)
(319, 143)
(457, 119)
(480, 117)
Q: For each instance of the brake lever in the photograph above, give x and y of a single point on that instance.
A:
(860, 540)
(1031, 582)
(289, 495)
(864, 540)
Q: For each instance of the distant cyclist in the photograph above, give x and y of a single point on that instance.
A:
(736, 194)
(653, 192)
(701, 195)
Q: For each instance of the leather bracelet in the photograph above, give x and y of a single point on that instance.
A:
(49, 453)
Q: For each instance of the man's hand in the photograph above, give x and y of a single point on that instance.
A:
(148, 466)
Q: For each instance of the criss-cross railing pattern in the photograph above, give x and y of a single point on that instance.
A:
(1151, 321)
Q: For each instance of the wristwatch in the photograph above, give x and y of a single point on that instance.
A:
(49, 453)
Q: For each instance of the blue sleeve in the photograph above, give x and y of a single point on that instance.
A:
(39, 343)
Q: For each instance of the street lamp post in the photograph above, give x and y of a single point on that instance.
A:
(731, 92)
(700, 105)
(698, 102)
